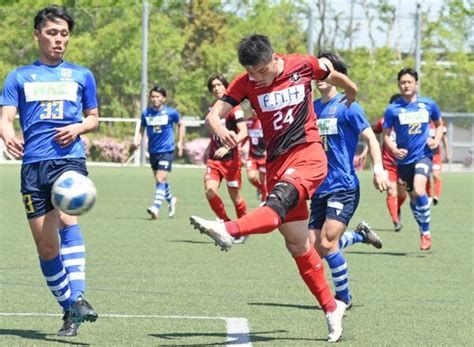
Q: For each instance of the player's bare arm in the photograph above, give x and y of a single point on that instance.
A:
(7, 131)
(340, 80)
(181, 134)
(399, 153)
(434, 142)
(381, 181)
(220, 110)
(68, 134)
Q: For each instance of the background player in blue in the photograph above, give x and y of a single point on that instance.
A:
(50, 96)
(158, 120)
(410, 116)
(335, 201)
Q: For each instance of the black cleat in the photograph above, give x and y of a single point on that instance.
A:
(369, 236)
(81, 311)
(397, 226)
(435, 200)
(69, 327)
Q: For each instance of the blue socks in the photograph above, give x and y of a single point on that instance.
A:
(421, 211)
(339, 273)
(73, 256)
(349, 238)
(57, 281)
(160, 193)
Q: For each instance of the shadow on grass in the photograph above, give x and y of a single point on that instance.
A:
(274, 304)
(37, 335)
(392, 254)
(232, 339)
(190, 241)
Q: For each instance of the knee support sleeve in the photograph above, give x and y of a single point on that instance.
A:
(283, 197)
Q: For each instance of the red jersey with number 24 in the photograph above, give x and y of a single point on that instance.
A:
(285, 108)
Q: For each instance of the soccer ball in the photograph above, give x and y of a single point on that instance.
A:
(73, 193)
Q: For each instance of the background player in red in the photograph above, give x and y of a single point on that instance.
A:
(223, 162)
(397, 194)
(437, 165)
(256, 156)
(279, 89)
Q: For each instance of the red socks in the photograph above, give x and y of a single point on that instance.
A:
(392, 205)
(311, 270)
(437, 187)
(218, 207)
(260, 221)
(241, 208)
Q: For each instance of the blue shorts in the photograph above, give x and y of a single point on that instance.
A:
(407, 172)
(340, 206)
(37, 180)
(162, 161)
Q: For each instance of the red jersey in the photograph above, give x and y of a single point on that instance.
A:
(235, 116)
(433, 133)
(255, 137)
(388, 159)
(285, 108)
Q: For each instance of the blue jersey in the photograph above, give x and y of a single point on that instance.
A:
(339, 128)
(411, 123)
(159, 128)
(49, 97)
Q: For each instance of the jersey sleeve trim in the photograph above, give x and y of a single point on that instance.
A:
(228, 99)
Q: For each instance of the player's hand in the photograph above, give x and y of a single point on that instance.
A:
(381, 181)
(432, 143)
(180, 149)
(15, 147)
(221, 152)
(228, 138)
(67, 135)
(400, 153)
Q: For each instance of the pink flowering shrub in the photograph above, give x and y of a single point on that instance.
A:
(195, 150)
(107, 149)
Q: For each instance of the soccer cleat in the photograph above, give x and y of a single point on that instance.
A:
(334, 321)
(153, 212)
(81, 311)
(425, 242)
(398, 226)
(69, 327)
(369, 236)
(172, 207)
(435, 200)
(430, 201)
(215, 230)
(239, 240)
(348, 303)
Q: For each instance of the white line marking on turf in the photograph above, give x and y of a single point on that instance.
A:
(238, 331)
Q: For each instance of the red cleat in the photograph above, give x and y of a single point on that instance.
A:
(425, 242)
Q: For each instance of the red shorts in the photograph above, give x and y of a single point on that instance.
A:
(437, 160)
(228, 169)
(254, 164)
(392, 172)
(305, 167)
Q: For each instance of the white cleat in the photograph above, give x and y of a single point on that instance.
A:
(239, 240)
(215, 230)
(153, 212)
(172, 207)
(334, 320)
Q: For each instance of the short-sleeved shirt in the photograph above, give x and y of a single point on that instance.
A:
(255, 137)
(235, 116)
(339, 127)
(388, 159)
(410, 122)
(285, 107)
(159, 128)
(49, 97)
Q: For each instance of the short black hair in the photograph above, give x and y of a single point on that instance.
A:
(255, 50)
(393, 98)
(408, 71)
(221, 78)
(53, 13)
(337, 62)
(158, 89)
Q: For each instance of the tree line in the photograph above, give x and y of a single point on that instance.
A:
(189, 40)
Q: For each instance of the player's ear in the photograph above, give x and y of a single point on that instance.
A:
(36, 34)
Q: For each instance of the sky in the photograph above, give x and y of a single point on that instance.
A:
(404, 27)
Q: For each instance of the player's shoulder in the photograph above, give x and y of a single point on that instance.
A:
(426, 100)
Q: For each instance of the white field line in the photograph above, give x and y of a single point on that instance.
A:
(238, 332)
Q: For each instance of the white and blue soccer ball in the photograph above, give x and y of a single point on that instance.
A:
(73, 193)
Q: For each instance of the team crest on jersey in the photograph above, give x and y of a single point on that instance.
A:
(33, 76)
(295, 77)
(66, 73)
(332, 110)
(421, 105)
